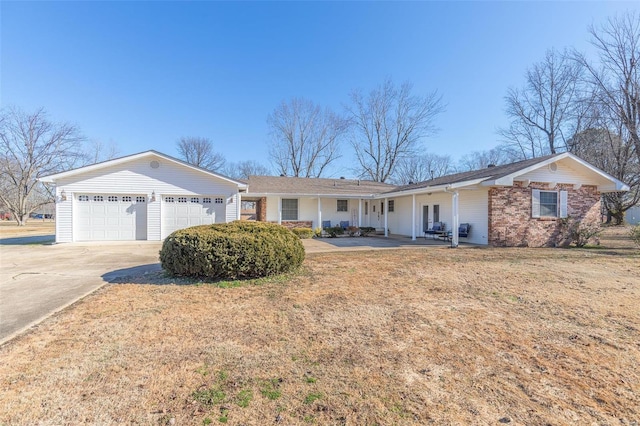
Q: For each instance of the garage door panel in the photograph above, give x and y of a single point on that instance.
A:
(110, 218)
(196, 210)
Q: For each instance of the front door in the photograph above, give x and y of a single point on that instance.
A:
(425, 218)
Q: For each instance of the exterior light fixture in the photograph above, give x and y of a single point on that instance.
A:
(153, 196)
(63, 195)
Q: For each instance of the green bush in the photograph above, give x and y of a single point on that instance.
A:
(233, 250)
(334, 231)
(366, 230)
(635, 235)
(303, 233)
(577, 232)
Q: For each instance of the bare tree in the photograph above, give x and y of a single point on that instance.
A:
(244, 169)
(477, 160)
(305, 138)
(97, 151)
(200, 153)
(422, 167)
(545, 111)
(609, 151)
(32, 147)
(616, 78)
(388, 125)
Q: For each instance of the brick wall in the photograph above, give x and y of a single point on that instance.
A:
(511, 224)
(261, 209)
(297, 224)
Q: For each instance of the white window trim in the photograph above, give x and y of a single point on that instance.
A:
(561, 212)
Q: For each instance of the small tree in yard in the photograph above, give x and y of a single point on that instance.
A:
(635, 235)
(32, 146)
(579, 232)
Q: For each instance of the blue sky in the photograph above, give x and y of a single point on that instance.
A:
(143, 74)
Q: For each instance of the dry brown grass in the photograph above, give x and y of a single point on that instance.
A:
(467, 336)
(9, 228)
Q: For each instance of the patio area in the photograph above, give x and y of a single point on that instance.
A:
(376, 242)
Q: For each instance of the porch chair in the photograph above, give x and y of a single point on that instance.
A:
(436, 229)
(344, 224)
(326, 224)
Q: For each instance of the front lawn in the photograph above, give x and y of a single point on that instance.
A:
(466, 336)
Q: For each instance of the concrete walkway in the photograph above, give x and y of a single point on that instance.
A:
(37, 280)
(324, 245)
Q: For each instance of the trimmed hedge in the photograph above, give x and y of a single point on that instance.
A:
(303, 233)
(233, 250)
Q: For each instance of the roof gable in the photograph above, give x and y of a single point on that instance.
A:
(129, 158)
(504, 175)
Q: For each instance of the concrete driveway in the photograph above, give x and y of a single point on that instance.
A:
(38, 279)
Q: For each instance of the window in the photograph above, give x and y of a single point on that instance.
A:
(343, 206)
(83, 198)
(366, 208)
(126, 199)
(169, 200)
(381, 207)
(195, 199)
(219, 200)
(391, 207)
(289, 209)
(112, 198)
(548, 203)
(436, 212)
(206, 200)
(141, 199)
(98, 198)
(182, 199)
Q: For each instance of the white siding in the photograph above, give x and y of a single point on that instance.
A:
(568, 171)
(473, 209)
(308, 210)
(231, 208)
(154, 222)
(633, 215)
(137, 177)
(64, 223)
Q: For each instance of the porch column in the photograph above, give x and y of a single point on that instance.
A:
(455, 219)
(359, 212)
(413, 217)
(386, 216)
(279, 210)
(319, 213)
(239, 207)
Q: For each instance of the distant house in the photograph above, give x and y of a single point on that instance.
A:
(632, 216)
(149, 195)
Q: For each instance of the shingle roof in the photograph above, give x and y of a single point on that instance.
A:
(312, 186)
(485, 174)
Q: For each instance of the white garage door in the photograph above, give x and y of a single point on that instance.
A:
(108, 217)
(180, 212)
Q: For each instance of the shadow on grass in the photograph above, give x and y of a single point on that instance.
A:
(25, 241)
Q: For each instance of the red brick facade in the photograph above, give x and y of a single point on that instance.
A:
(261, 209)
(511, 223)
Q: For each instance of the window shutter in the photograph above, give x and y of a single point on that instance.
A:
(535, 203)
(563, 204)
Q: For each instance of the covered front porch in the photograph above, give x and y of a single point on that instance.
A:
(376, 242)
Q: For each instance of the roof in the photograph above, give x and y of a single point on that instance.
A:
(504, 174)
(132, 157)
(494, 172)
(262, 185)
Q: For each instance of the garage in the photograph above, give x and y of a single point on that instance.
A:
(180, 212)
(143, 196)
(111, 217)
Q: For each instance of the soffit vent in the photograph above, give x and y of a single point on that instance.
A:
(154, 164)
